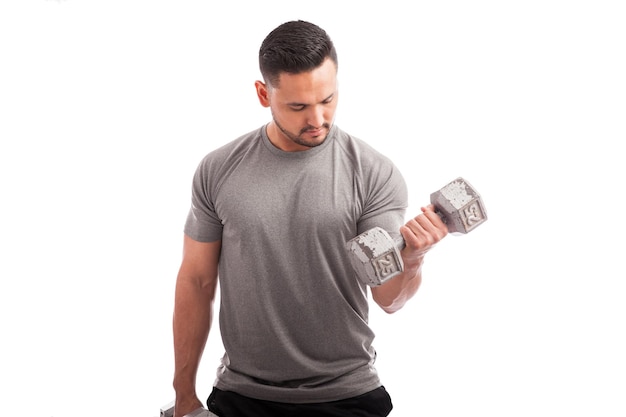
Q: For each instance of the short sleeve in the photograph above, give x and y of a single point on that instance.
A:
(202, 223)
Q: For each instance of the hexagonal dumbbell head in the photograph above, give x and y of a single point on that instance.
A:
(375, 256)
(460, 206)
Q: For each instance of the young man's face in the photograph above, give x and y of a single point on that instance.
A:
(303, 107)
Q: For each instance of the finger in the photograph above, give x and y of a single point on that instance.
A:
(421, 233)
(430, 221)
(416, 244)
(413, 230)
(435, 219)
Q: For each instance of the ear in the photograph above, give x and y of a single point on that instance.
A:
(262, 93)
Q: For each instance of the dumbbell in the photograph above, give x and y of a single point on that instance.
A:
(375, 255)
(168, 411)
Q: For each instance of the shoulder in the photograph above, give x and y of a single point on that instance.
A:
(360, 154)
(231, 151)
(237, 146)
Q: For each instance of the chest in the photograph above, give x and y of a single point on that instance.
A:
(289, 195)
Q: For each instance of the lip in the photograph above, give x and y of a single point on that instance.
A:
(315, 132)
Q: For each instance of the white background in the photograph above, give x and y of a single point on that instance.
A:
(106, 108)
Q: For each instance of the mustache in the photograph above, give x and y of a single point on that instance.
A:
(308, 128)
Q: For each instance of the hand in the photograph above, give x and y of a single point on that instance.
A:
(421, 234)
(184, 407)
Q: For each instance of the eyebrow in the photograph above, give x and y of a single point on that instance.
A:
(304, 104)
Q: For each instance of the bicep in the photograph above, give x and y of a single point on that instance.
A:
(199, 266)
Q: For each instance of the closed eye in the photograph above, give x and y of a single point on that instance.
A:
(297, 107)
(302, 106)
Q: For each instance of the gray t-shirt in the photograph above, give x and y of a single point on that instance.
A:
(293, 316)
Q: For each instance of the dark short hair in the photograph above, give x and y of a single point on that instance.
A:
(294, 47)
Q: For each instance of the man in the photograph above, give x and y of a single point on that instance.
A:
(270, 215)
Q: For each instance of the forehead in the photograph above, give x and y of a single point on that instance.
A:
(321, 81)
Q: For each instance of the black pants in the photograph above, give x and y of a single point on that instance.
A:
(375, 403)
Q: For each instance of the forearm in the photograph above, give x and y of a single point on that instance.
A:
(191, 325)
(393, 294)
(420, 235)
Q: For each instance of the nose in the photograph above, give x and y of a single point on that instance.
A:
(315, 117)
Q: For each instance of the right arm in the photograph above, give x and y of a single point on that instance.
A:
(193, 312)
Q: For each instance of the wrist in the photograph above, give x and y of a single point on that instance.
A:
(413, 266)
(184, 387)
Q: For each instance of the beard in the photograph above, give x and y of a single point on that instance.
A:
(299, 138)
